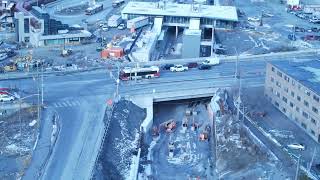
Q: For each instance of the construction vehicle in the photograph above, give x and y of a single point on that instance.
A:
(169, 126)
(10, 67)
(66, 52)
(155, 131)
(205, 134)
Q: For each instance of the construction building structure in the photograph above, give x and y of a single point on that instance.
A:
(196, 17)
(294, 88)
(38, 29)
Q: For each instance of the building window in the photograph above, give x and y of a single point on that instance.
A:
(284, 99)
(284, 110)
(278, 84)
(316, 98)
(291, 104)
(278, 94)
(304, 125)
(299, 86)
(292, 93)
(272, 69)
(315, 110)
(306, 115)
(297, 109)
(313, 121)
(286, 89)
(306, 103)
(276, 103)
(279, 74)
(293, 83)
(298, 98)
(312, 132)
(307, 92)
(272, 79)
(286, 78)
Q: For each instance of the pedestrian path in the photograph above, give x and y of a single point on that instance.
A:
(66, 103)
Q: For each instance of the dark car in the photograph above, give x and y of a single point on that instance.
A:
(192, 65)
(167, 66)
(204, 67)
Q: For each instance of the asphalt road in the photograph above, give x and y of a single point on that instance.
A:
(76, 97)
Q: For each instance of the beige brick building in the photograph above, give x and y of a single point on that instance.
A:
(294, 88)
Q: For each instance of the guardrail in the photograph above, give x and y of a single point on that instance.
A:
(223, 59)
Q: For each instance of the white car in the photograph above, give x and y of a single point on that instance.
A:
(6, 97)
(121, 26)
(296, 146)
(254, 19)
(104, 28)
(178, 68)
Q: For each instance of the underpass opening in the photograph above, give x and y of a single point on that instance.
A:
(178, 144)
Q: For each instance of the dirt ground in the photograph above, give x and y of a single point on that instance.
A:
(191, 156)
(18, 134)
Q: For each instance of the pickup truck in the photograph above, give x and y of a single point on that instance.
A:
(178, 68)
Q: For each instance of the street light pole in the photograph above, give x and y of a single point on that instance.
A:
(237, 62)
(297, 170)
(42, 86)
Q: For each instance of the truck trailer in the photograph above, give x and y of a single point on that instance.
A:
(137, 22)
(114, 21)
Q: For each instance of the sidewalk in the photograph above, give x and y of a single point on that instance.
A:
(42, 149)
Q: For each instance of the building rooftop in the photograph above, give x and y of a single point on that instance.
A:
(307, 72)
(40, 10)
(228, 13)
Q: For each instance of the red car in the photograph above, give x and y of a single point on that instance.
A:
(192, 65)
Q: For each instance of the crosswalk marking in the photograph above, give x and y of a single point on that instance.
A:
(66, 103)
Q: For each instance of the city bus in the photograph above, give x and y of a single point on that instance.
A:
(139, 73)
(95, 9)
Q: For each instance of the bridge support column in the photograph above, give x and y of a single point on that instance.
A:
(212, 41)
(176, 32)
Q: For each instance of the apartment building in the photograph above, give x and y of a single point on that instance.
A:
(294, 88)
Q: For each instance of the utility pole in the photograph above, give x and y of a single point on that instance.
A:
(237, 62)
(298, 167)
(42, 86)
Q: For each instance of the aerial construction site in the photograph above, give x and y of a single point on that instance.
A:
(160, 89)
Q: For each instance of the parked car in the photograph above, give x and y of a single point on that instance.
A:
(253, 19)
(299, 29)
(167, 66)
(179, 68)
(104, 28)
(121, 26)
(204, 67)
(4, 97)
(314, 20)
(314, 29)
(296, 146)
(301, 15)
(192, 65)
